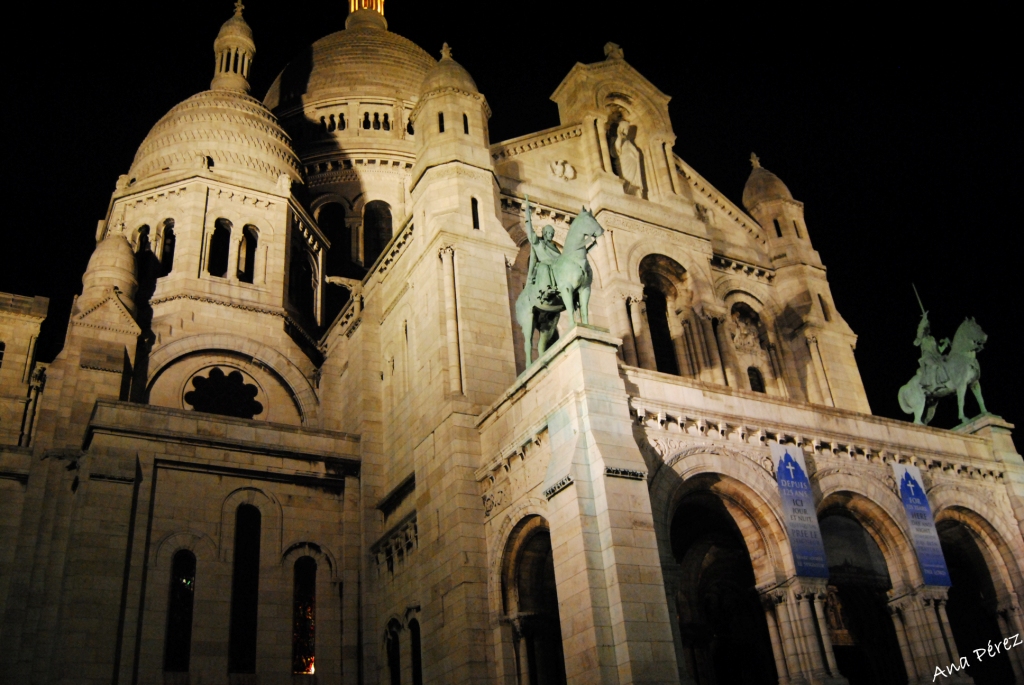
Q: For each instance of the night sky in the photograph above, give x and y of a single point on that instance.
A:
(903, 143)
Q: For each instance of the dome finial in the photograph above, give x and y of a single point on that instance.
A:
(234, 50)
(446, 52)
(755, 161)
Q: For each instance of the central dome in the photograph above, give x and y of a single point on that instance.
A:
(364, 59)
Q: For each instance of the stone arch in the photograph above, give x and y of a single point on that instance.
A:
(272, 522)
(703, 292)
(289, 374)
(638, 105)
(875, 508)
(531, 506)
(750, 495)
(320, 553)
(1002, 551)
(200, 544)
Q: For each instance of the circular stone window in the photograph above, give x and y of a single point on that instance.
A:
(226, 391)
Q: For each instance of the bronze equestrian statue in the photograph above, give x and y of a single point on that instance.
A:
(556, 280)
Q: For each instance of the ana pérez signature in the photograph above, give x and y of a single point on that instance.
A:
(991, 650)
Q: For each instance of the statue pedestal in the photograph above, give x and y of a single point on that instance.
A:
(998, 433)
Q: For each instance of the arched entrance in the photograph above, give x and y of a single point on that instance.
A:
(972, 603)
(720, 614)
(862, 632)
(531, 603)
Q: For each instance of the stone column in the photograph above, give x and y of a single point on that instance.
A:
(602, 139)
(769, 601)
(940, 605)
(826, 641)
(778, 371)
(931, 620)
(1008, 626)
(624, 329)
(641, 333)
(233, 243)
(791, 645)
(804, 600)
(711, 347)
(675, 329)
(447, 254)
(592, 146)
(901, 637)
(818, 369)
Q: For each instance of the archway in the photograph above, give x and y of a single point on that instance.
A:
(377, 230)
(666, 295)
(531, 603)
(719, 611)
(972, 604)
(861, 631)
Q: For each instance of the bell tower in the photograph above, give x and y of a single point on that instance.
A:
(820, 341)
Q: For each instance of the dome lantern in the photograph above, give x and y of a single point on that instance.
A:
(234, 50)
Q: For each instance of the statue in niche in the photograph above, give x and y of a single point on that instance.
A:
(939, 375)
(556, 280)
(627, 158)
(745, 336)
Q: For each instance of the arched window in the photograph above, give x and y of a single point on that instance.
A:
(245, 587)
(417, 656)
(475, 206)
(796, 227)
(661, 337)
(301, 290)
(178, 640)
(366, 120)
(824, 308)
(756, 379)
(331, 219)
(167, 252)
(247, 254)
(304, 617)
(220, 243)
(409, 129)
(3, 348)
(440, 122)
(393, 653)
(376, 229)
(778, 229)
(465, 124)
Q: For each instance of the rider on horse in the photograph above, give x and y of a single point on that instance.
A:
(543, 253)
(932, 361)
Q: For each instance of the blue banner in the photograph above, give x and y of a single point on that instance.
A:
(799, 511)
(922, 525)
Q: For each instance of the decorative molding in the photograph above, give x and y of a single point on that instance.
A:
(502, 152)
(629, 474)
(728, 264)
(244, 307)
(245, 199)
(397, 247)
(557, 487)
(392, 549)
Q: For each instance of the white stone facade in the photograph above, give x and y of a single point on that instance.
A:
(296, 349)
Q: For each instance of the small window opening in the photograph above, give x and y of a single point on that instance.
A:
(376, 121)
(465, 124)
(393, 654)
(366, 120)
(440, 122)
(824, 308)
(778, 229)
(796, 227)
(247, 255)
(409, 129)
(417, 656)
(756, 379)
(341, 122)
(304, 617)
(178, 640)
(387, 122)
(245, 586)
(331, 125)
(235, 67)
(167, 253)
(3, 348)
(476, 212)
(220, 242)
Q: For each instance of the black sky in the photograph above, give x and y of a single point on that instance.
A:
(901, 136)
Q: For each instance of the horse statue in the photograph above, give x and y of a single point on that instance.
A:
(940, 376)
(557, 280)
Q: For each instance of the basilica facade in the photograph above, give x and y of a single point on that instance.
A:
(293, 434)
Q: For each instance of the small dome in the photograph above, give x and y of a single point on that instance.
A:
(235, 30)
(448, 73)
(762, 186)
(112, 265)
(234, 131)
(364, 60)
